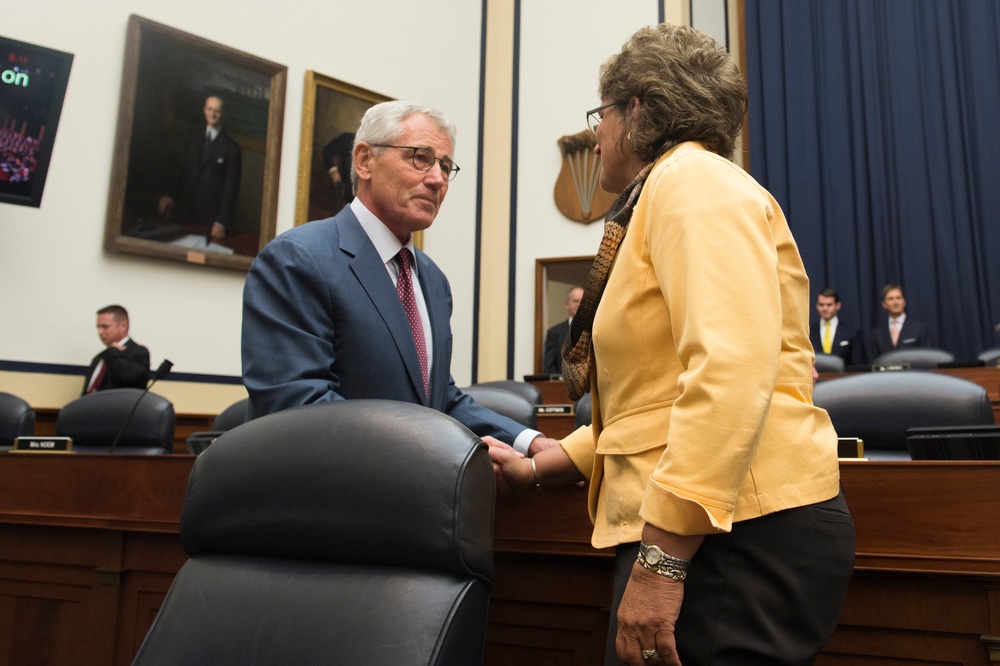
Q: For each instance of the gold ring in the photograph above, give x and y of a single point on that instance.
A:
(646, 654)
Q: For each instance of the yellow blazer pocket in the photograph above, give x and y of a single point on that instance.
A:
(635, 430)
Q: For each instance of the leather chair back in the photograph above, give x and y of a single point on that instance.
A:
(94, 421)
(878, 407)
(584, 409)
(919, 358)
(232, 416)
(351, 532)
(17, 419)
(529, 391)
(506, 403)
(829, 363)
(989, 356)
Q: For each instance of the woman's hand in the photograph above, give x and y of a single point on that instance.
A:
(511, 469)
(646, 618)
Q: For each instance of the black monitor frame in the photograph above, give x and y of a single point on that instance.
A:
(33, 82)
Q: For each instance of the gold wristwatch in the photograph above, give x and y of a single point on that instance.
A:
(653, 558)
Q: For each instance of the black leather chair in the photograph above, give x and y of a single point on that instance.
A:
(17, 419)
(878, 407)
(351, 532)
(529, 391)
(505, 402)
(829, 363)
(232, 416)
(94, 421)
(918, 358)
(584, 409)
(990, 356)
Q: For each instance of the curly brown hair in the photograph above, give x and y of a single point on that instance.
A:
(688, 86)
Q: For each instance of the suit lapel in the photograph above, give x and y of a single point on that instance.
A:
(437, 305)
(368, 268)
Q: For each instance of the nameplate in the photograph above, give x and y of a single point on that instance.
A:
(850, 447)
(550, 410)
(43, 445)
(890, 367)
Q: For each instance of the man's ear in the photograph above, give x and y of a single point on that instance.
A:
(362, 160)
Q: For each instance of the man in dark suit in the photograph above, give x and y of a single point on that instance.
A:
(124, 363)
(896, 330)
(552, 357)
(208, 181)
(332, 310)
(828, 336)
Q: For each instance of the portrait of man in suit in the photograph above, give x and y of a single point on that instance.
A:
(208, 179)
(347, 307)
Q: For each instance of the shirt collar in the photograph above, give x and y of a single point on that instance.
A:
(385, 242)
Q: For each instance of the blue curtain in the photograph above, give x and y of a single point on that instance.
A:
(876, 126)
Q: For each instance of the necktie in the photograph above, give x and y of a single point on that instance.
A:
(894, 330)
(208, 138)
(99, 377)
(404, 286)
(827, 342)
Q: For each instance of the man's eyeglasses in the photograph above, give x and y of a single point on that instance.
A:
(593, 117)
(423, 160)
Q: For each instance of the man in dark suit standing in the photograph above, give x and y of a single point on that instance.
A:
(552, 357)
(897, 330)
(347, 307)
(828, 336)
(208, 181)
(124, 363)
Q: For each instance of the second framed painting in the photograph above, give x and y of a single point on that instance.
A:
(331, 113)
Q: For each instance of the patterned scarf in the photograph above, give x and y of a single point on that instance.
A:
(577, 350)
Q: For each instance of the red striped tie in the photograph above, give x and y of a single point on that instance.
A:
(404, 286)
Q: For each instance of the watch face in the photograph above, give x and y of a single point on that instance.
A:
(653, 555)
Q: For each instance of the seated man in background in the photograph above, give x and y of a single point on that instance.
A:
(828, 336)
(896, 331)
(348, 307)
(552, 358)
(124, 363)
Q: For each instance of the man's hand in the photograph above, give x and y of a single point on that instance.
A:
(218, 231)
(541, 443)
(511, 469)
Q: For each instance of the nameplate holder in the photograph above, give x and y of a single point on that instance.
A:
(553, 410)
(43, 445)
(890, 367)
(850, 447)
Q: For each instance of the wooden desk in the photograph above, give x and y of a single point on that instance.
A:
(89, 546)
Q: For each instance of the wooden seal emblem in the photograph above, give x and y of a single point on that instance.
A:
(578, 191)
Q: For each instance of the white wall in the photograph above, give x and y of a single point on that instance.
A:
(54, 271)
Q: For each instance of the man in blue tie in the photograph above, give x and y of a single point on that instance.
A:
(326, 309)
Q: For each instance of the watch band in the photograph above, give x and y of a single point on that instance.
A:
(653, 558)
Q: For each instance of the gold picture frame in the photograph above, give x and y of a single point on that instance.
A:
(331, 113)
(159, 188)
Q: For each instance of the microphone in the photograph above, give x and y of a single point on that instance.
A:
(160, 373)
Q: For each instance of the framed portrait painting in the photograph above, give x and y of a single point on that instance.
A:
(195, 175)
(331, 113)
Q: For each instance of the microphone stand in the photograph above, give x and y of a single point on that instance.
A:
(160, 373)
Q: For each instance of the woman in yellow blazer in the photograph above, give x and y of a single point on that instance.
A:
(711, 471)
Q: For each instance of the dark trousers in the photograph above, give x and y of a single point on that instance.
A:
(768, 592)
